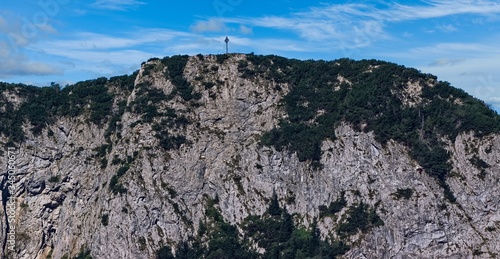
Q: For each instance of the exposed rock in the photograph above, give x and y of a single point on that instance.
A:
(35, 187)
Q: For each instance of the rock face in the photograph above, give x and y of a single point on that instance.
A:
(64, 201)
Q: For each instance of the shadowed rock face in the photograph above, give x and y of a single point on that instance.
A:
(139, 179)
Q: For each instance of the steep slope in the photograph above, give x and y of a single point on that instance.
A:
(244, 156)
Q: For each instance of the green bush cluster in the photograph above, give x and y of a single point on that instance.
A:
(175, 72)
(83, 254)
(360, 218)
(114, 185)
(55, 179)
(334, 207)
(478, 162)
(114, 122)
(167, 140)
(220, 58)
(146, 104)
(146, 100)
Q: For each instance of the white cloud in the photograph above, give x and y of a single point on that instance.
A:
(453, 53)
(477, 76)
(95, 56)
(117, 5)
(109, 55)
(20, 65)
(408, 35)
(446, 62)
(47, 28)
(13, 56)
(447, 28)
(212, 25)
(95, 41)
(19, 32)
(441, 8)
(345, 26)
(493, 100)
(340, 32)
(360, 25)
(3, 24)
(245, 30)
(79, 12)
(90, 41)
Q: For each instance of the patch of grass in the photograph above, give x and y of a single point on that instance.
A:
(55, 179)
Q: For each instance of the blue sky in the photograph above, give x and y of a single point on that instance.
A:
(66, 41)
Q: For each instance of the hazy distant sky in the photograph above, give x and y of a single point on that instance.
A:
(66, 41)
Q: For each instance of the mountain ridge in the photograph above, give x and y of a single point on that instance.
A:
(247, 129)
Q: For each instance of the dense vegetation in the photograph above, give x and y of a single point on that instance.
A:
(176, 65)
(146, 104)
(41, 106)
(275, 231)
(93, 99)
(370, 100)
(83, 254)
(360, 218)
(221, 237)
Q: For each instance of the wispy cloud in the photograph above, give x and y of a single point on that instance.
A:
(16, 64)
(18, 32)
(3, 24)
(440, 8)
(476, 75)
(465, 49)
(14, 59)
(117, 5)
(447, 28)
(494, 101)
(245, 30)
(96, 41)
(212, 25)
(446, 62)
(17, 67)
(100, 54)
(359, 25)
(339, 33)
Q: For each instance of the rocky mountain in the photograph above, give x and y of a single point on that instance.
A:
(247, 156)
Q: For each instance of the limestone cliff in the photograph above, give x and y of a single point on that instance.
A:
(127, 180)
